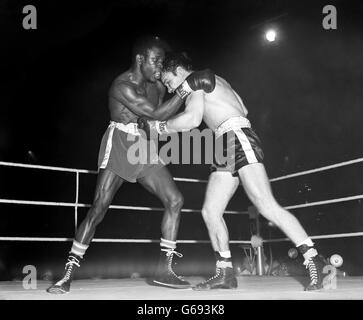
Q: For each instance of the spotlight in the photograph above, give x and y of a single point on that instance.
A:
(270, 35)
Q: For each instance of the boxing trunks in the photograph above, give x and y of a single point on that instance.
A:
(236, 145)
(126, 153)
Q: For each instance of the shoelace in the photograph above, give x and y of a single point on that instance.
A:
(169, 254)
(72, 261)
(213, 277)
(310, 264)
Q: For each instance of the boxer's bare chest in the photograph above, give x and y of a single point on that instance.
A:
(121, 113)
(150, 92)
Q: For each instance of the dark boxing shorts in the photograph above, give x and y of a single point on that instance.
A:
(124, 152)
(237, 145)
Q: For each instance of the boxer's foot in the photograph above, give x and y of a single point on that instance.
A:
(223, 279)
(165, 275)
(64, 285)
(315, 264)
(315, 267)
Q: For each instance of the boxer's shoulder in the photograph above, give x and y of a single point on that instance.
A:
(124, 79)
(124, 85)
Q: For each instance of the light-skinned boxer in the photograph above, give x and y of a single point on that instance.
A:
(224, 112)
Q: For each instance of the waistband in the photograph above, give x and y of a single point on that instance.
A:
(131, 127)
(232, 124)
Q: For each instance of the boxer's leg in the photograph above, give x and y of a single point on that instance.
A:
(257, 186)
(107, 185)
(258, 189)
(160, 183)
(220, 189)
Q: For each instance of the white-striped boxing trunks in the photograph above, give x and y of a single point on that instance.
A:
(237, 145)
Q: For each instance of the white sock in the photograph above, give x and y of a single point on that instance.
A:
(224, 264)
(225, 254)
(310, 254)
(167, 244)
(79, 248)
(307, 241)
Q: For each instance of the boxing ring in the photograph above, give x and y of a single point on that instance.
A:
(251, 287)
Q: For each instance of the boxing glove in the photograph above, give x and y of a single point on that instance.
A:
(198, 80)
(151, 127)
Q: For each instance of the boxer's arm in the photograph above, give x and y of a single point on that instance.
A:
(141, 106)
(191, 117)
(162, 91)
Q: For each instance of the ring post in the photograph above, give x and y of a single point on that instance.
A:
(260, 269)
(76, 203)
(256, 241)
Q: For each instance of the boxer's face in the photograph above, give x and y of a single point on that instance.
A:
(152, 63)
(172, 80)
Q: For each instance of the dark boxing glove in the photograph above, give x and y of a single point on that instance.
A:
(198, 80)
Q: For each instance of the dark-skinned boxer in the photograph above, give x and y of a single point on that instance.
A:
(136, 92)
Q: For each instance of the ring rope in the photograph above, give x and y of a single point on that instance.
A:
(48, 239)
(51, 168)
(84, 205)
(333, 166)
(319, 203)
(341, 164)
(68, 204)
(76, 205)
(327, 236)
(35, 166)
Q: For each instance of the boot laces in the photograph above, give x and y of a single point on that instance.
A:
(170, 254)
(72, 261)
(313, 272)
(218, 271)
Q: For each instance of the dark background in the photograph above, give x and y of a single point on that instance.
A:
(304, 95)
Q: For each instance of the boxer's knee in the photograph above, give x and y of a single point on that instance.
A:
(210, 216)
(263, 200)
(205, 214)
(174, 202)
(271, 210)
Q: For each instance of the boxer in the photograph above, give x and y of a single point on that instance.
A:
(224, 112)
(136, 92)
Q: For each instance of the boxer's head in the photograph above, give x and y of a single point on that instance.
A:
(176, 67)
(149, 53)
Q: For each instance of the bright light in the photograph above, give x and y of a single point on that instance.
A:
(270, 35)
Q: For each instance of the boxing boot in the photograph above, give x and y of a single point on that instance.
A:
(64, 284)
(165, 275)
